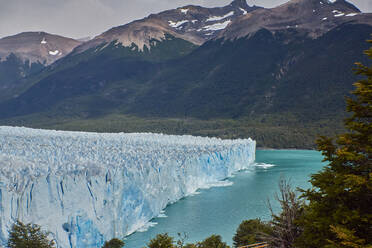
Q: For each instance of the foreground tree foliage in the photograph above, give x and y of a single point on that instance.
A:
(28, 236)
(214, 241)
(165, 241)
(285, 226)
(161, 241)
(251, 232)
(339, 213)
(113, 243)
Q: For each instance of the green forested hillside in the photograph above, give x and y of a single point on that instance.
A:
(282, 89)
(12, 72)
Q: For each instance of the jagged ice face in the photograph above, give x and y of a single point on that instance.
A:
(86, 188)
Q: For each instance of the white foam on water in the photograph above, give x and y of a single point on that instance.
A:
(162, 214)
(146, 227)
(263, 165)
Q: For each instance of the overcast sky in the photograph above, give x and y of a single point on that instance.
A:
(81, 18)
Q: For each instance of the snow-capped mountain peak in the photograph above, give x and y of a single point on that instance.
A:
(195, 24)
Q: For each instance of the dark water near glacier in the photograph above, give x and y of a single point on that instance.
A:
(220, 210)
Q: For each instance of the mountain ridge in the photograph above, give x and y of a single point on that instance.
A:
(192, 23)
(309, 16)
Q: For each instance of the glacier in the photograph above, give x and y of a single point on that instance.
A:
(86, 188)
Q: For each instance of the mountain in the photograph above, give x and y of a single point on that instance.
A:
(37, 47)
(187, 27)
(311, 17)
(27, 53)
(191, 23)
(274, 74)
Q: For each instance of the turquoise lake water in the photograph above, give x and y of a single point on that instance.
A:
(220, 210)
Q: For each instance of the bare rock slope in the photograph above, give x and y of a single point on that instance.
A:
(37, 47)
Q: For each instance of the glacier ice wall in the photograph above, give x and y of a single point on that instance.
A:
(86, 188)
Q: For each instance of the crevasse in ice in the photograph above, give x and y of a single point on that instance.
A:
(86, 188)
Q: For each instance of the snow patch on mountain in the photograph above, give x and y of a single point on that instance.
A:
(54, 53)
(177, 24)
(244, 11)
(184, 11)
(217, 26)
(219, 18)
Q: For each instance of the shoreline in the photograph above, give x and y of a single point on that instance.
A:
(283, 149)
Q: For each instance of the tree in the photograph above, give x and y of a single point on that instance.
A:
(113, 243)
(28, 236)
(339, 213)
(190, 246)
(161, 241)
(251, 232)
(285, 228)
(214, 241)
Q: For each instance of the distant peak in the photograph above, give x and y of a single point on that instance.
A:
(320, 3)
(346, 4)
(239, 3)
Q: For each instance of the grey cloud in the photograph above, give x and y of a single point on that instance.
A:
(81, 18)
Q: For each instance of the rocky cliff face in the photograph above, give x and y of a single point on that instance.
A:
(39, 47)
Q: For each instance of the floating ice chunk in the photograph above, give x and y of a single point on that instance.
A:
(225, 183)
(263, 165)
(325, 18)
(146, 226)
(332, 1)
(162, 214)
(217, 26)
(352, 14)
(54, 53)
(86, 188)
(43, 41)
(218, 18)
